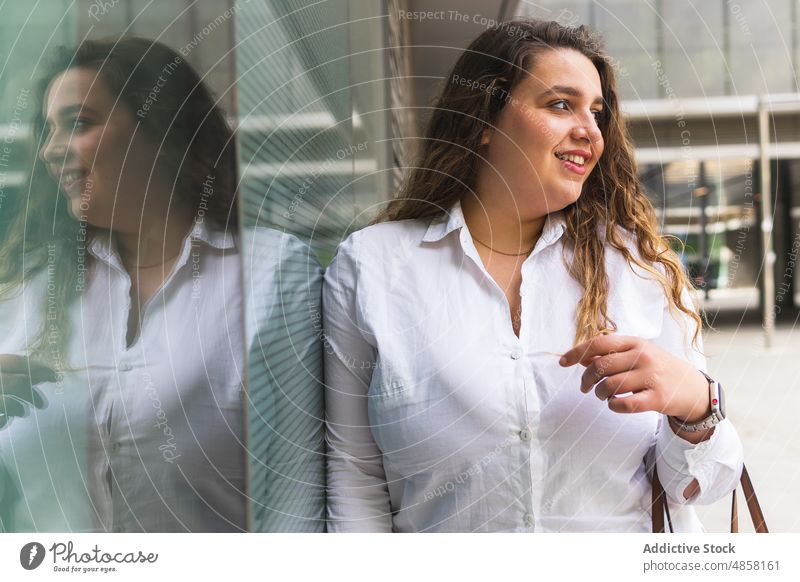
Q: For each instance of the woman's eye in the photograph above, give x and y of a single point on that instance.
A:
(79, 124)
(564, 106)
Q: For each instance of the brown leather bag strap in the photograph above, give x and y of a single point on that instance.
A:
(759, 523)
(659, 506)
(734, 514)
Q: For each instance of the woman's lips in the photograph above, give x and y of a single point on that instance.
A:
(73, 183)
(573, 167)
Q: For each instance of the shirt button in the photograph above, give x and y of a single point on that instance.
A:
(525, 434)
(516, 355)
(125, 367)
(115, 447)
(528, 520)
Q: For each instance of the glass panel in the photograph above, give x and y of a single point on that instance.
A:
(630, 30)
(294, 112)
(311, 90)
(121, 271)
(761, 47)
(694, 48)
(568, 13)
(156, 356)
(38, 467)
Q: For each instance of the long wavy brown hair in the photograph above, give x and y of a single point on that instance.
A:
(612, 196)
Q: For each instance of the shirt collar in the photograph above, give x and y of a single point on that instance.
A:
(103, 248)
(215, 237)
(453, 219)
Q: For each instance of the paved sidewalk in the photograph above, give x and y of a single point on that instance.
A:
(763, 390)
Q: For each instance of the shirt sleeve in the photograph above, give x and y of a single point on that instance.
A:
(716, 463)
(286, 408)
(358, 494)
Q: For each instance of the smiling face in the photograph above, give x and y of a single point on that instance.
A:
(546, 140)
(96, 155)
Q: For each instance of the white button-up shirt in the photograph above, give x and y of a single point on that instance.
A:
(441, 419)
(150, 437)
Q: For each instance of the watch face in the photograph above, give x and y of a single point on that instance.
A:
(720, 405)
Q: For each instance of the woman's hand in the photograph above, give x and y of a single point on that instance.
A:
(18, 378)
(654, 378)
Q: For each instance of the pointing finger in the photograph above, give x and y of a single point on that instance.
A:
(600, 345)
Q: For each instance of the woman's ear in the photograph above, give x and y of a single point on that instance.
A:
(486, 136)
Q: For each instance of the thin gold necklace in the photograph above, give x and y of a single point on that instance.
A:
(151, 266)
(476, 239)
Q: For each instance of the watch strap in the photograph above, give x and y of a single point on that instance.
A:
(716, 398)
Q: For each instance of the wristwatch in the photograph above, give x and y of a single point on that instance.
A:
(717, 399)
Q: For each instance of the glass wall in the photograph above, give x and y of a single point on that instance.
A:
(311, 90)
(694, 41)
(631, 33)
(762, 43)
(167, 204)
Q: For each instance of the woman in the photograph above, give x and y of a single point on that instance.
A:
(521, 245)
(122, 367)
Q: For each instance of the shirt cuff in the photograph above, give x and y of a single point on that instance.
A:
(716, 463)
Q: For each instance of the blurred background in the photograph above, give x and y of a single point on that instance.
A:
(330, 99)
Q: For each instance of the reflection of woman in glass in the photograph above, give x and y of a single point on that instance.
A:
(522, 234)
(125, 342)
